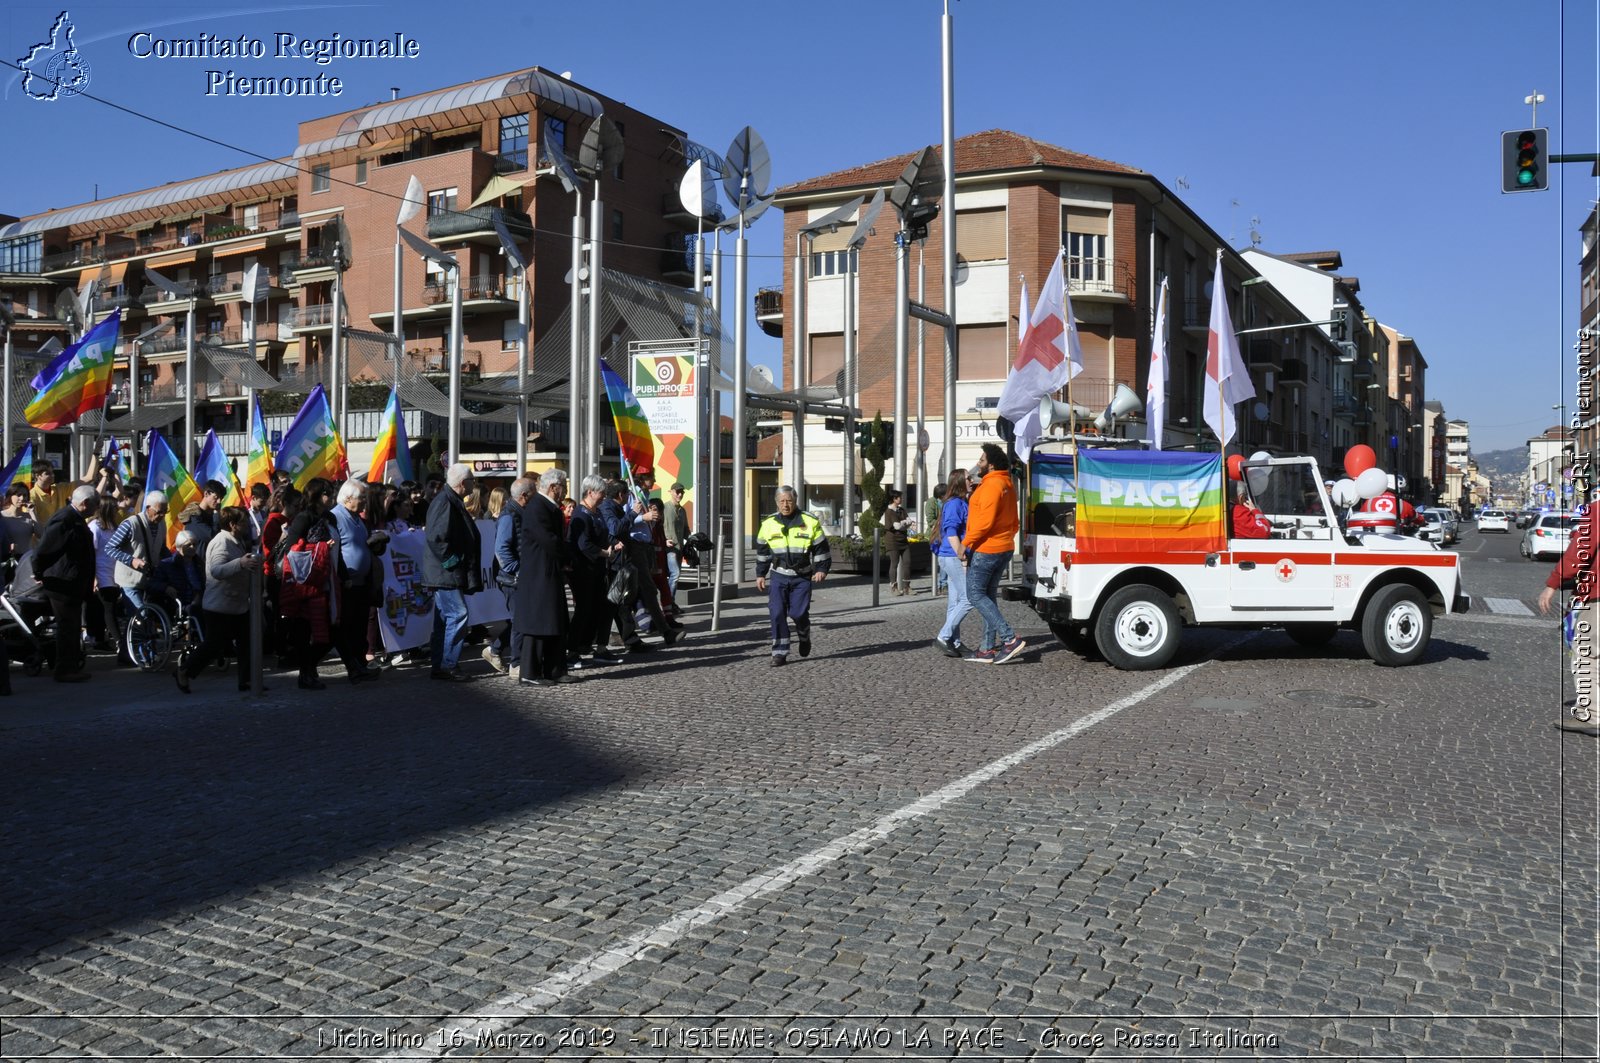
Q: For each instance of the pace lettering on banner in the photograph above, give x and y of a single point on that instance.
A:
(405, 615)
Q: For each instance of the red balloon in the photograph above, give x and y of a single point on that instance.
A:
(1235, 472)
(1358, 459)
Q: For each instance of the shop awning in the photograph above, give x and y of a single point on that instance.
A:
(114, 273)
(183, 258)
(240, 249)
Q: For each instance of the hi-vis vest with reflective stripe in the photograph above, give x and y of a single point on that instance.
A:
(789, 547)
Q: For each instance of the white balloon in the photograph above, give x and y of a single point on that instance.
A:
(1344, 492)
(1372, 483)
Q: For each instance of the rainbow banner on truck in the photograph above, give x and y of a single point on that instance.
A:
(1149, 503)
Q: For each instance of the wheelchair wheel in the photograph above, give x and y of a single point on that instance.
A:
(149, 639)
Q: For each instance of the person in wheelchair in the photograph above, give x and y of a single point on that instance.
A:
(180, 576)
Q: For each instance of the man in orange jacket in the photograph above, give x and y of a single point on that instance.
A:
(987, 549)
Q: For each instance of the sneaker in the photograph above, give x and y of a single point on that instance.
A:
(1009, 650)
(605, 658)
(494, 660)
(805, 646)
(982, 657)
(778, 660)
(947, 647)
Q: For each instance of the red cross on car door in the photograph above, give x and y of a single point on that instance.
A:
(1287, 575)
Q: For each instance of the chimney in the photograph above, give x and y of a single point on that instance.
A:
(394, 92)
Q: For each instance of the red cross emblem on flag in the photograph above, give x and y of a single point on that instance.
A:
(1039, 345)
(1285, 570)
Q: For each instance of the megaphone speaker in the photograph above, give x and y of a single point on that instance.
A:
(1052, 413)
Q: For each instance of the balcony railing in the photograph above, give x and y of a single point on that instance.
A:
(87, 256)
(769, 302)
(1196, 313)
(1099, 276)
(476, 220)
(318, 316)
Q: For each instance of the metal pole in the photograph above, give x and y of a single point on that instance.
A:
(454, 444)
(133, 404)
(716, 582)
(847, 516)
(877, 546)
(951, 334)
(188, 390)
(577, 461)
(741, 314)
(714, 399)
(922, 375)
(250, 419)
(902, 329)
(399, 325)
(704, 395)
(522, 373)
(596, 288)
(6, 399)
(335, 388)
(801, 365)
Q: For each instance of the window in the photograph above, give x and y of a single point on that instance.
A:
(555, 134)
(250, 217)
(441, 201)
(514, 141)
(616, 225)
(22, 255)
(361, 171)
(510, 333)
(981, 234)
(622, 134)
(983, 353)
(832, 263)
(1087, 233)
(319, 177)
(827, 359)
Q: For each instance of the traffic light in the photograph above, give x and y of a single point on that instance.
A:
(1523, 160)
(863, 434)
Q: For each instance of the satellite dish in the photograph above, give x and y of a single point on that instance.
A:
(763, 375)
(748, 169)
(601, 148)
(67, 309)
(555, 153)
(1260, 410)
(343, 246)
(698, 191)
(7, 318)
(864, 224)
(834, 218)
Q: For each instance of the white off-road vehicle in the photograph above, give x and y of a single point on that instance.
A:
(1123, 549)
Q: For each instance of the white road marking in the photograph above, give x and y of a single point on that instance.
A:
(558, 986)
(1507, 606)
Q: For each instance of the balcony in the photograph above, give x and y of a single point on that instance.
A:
(75, 259)
(1092, 278)
(307, 318)
(1197, 313)
(477, 223)
(153, 296)
(677, 266)
(769, 310)
(227, 287)
(1293, 374)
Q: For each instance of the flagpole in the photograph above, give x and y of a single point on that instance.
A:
(522, 372)
(577, 461)
(454, 444)
(1222, 399)
(591, 428)
(6, 399)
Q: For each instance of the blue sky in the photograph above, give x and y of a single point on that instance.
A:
(1370, 127)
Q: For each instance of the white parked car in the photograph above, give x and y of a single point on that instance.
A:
(1494, 520)
(1439, 525)
(1546, 538)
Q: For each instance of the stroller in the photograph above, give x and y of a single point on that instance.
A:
(26, 622)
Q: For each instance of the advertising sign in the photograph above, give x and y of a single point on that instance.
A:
(664, 383)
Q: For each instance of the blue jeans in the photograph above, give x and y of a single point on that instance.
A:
(952, 575)
(673, 564)
(788, 596)
(983, 583)
(134, 596)
(941, 579)
(449, 628)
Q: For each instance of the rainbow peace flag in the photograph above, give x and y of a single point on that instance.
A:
(633, 430)
(312, 447)
(258, 467)
(76, 380)
(391, 444)
(167, 475)
(21, 468)
(1149, 502)
(116, 460)
(213, 464)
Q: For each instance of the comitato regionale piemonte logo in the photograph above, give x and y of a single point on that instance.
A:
(54, 68)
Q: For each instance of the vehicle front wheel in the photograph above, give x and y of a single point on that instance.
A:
(1138, 628)
(1397, 625)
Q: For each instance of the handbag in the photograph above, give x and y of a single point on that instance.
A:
(624, 585)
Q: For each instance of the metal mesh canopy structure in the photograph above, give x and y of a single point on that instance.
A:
(370, 357)
(235, 367)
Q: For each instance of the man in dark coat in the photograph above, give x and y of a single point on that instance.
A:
(452, 566)
(540, 619)
(64, 561)
(590, 548)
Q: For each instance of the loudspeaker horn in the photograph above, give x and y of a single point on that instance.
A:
(1052, 413)
(1123, 403)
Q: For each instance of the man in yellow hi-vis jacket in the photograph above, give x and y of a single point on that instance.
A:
(791, 555)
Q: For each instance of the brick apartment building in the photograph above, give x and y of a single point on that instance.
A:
(475, 148)
(1019, 201)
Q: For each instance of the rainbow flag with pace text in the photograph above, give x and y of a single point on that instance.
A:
(76, 380)
(258, 466)
(312, 447)
(166, 474)
(391, 444)
(21, 468)
(633, 429)
(1149, 502)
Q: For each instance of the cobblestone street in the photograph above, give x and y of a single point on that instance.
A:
(1263, 852)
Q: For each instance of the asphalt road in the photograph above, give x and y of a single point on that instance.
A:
(1262, 852)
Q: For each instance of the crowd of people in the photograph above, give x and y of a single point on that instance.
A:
(95, 554)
